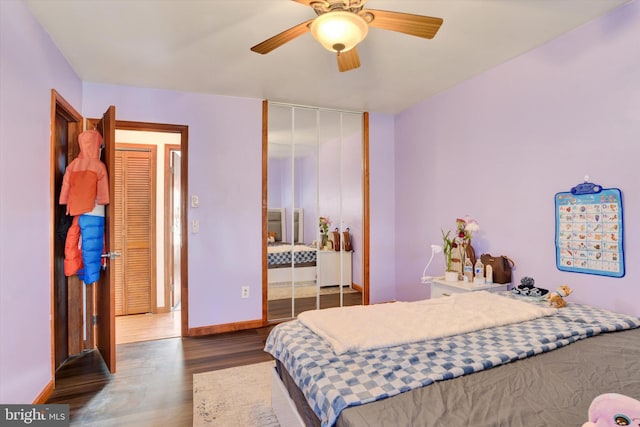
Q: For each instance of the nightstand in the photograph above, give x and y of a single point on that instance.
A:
(442, 288)
(330, 264)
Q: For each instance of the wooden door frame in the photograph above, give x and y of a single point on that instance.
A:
(74, 126)
(184, 176)
(168, 223)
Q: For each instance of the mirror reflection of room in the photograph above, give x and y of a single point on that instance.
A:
(314, 210)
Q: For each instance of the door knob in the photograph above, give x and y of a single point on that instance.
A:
(111, 255)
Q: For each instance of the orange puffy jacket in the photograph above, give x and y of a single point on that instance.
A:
(72, 251)
(85, 181)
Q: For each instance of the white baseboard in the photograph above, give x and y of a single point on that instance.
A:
(282, 405)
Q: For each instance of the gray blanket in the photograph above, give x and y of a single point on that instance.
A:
(550, 389)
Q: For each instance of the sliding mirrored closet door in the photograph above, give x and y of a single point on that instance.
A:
(315, 169)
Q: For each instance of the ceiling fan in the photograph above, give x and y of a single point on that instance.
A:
(342, 24)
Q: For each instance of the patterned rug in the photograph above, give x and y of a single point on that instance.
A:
(233, 397)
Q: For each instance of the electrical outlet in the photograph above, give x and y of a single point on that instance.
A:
(195, 201)
(245, 292)
(195, 226)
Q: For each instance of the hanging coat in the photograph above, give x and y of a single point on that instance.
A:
(92, 232)
(84, 186)
(72, 250)
(85, 180)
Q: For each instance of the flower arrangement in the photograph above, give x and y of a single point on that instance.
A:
(324, 222)
(465, 227)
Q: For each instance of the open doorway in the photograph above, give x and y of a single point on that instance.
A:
(148, 300)
(83, 319)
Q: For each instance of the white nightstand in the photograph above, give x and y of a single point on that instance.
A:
(442, 288)
(330, 264)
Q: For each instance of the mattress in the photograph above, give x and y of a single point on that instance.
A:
(331, 383)
(553, 388)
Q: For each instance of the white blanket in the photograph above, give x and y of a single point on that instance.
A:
(385, 325)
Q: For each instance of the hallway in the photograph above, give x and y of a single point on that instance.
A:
(147, 327)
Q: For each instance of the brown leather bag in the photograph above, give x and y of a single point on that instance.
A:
(501, 265)
(335, 238)
(346, 238)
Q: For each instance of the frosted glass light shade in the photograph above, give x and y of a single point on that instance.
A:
(339, 31)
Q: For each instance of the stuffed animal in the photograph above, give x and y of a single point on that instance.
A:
(556, 299)
(612, 410)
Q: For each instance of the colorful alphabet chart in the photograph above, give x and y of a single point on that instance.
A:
(589, 235)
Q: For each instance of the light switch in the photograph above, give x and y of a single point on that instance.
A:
(195, 201)
(195, 226)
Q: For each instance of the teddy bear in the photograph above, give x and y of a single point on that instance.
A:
(556, 298)
(613, 409)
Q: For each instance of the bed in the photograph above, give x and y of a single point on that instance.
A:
(286, 260)
(541, 371)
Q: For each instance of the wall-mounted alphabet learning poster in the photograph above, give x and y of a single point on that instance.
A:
(589, 230)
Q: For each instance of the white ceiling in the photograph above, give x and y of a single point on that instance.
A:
(203, 46)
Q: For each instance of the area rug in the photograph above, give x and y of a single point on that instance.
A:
(238, 396)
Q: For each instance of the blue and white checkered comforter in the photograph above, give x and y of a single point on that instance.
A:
(280, 256)
(332, 383)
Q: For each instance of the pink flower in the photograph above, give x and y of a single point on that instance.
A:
(324, 223)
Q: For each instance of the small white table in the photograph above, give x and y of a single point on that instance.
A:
(443, 288)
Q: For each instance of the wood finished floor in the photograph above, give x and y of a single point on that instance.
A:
(153, 385)
(145, 327)
(281, 308)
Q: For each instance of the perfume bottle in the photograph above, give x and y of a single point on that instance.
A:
(478, 273)
(468, 270)
(489, 275)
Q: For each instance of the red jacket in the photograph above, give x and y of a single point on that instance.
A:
(85, 181)
(72, 251)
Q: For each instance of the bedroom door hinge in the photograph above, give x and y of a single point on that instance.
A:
(95, 319)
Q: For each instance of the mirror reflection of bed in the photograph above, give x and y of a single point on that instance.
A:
(310, 276)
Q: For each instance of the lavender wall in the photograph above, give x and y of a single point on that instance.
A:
(382, 212)
(500, 145)
(307, 184)
(225, 170)
(30, 65)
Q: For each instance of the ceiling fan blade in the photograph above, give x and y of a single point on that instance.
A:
(282, 38)
(348, 60)
(407, 23)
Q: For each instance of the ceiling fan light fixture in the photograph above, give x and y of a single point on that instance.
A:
(339, 31)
